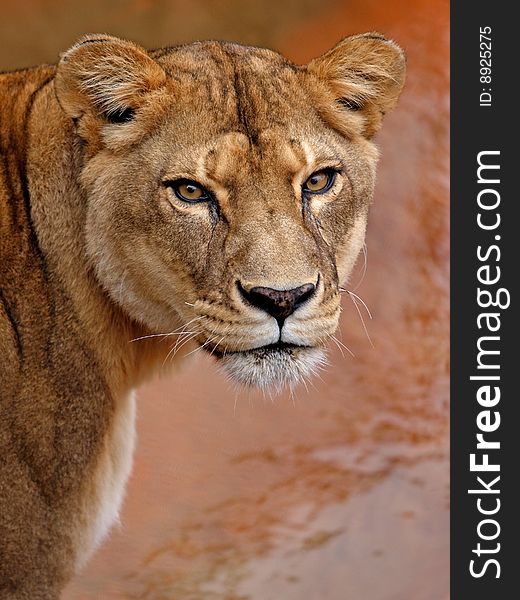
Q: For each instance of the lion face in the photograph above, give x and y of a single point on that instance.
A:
(228, 189)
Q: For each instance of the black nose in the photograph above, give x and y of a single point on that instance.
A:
(278, 303)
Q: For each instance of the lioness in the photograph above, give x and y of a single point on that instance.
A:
(209, 194)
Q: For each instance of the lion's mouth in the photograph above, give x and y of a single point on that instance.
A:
(268, 350)
(275, 366)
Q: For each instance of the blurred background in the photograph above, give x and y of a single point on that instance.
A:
(340, 493)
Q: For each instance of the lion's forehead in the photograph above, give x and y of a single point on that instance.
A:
(239, 110)
(234, 151)
(236, 87)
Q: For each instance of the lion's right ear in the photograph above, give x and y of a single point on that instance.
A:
(106, 77)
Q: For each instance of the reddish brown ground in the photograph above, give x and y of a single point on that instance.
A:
(342, 495)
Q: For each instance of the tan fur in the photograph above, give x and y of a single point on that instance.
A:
(96, 250)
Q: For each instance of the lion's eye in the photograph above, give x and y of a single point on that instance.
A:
(188, 191)
(320, 182)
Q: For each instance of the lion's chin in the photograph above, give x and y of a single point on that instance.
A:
(276, 366)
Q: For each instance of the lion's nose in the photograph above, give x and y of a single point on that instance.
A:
(278, 303)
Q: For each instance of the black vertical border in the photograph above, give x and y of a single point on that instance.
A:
(475, 129)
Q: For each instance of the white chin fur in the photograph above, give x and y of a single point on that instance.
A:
(273, 368)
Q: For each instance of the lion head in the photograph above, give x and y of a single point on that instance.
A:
(228, 189)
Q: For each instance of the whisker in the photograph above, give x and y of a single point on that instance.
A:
(342, 345)
(365, 266)
(216, 345)
(168, 355)
(178, 346)
(174, 332)
(186, 335)
(362, 302)
(163, 335)
(361, 317)
(208, 341)
(188, 338)
(184, 332)
(340, 348)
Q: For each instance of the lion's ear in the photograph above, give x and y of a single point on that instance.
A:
(363, 74)
(107, 77)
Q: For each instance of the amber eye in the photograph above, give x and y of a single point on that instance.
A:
(320, 182)
(188, 191)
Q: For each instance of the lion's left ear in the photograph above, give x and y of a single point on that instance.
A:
(364, 74)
